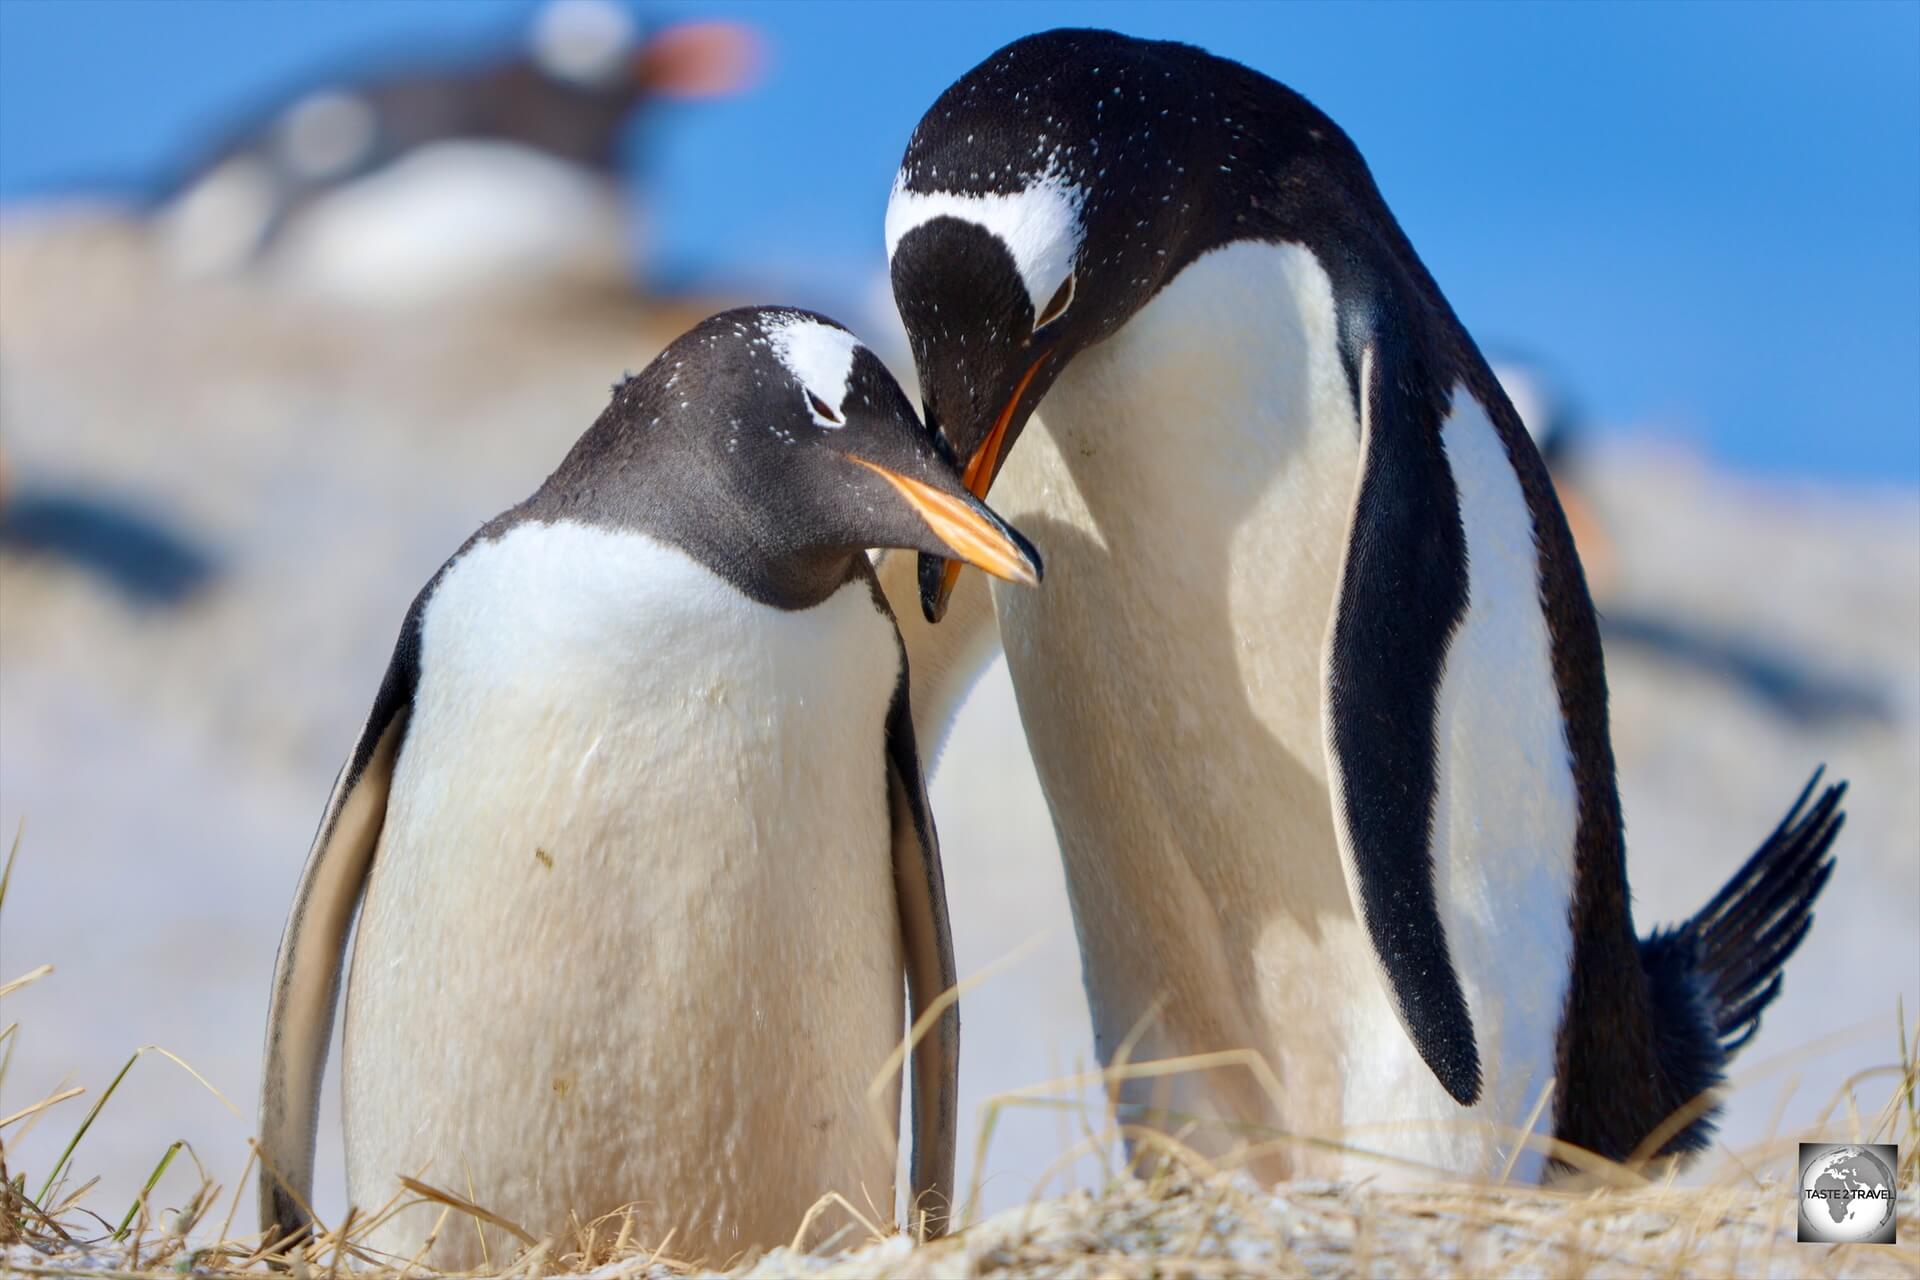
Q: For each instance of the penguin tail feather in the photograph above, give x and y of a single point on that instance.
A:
(1742, 938)
(1712, 977)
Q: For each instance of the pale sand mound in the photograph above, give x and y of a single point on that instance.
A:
(1219, 1227)
(1222, 1227)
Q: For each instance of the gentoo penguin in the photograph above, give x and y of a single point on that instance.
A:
(640, 823)
(1760, 666)
(445, 180)
(1316, 694)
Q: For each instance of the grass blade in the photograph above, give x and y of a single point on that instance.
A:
(93, 1112)
(28, 978)
(120, 1232)
(6, 874)
(6, 1059)
(51, 1100)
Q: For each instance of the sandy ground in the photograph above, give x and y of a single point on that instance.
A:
(1202, 1226)
(169, 760)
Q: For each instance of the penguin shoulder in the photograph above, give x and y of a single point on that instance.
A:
(564, 594)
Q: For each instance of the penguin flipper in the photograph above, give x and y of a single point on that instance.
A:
(927, 943)
(306, 974)
(1403, 589)
(947, 658)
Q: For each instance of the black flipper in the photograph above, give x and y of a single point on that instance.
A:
(927, 946)
(1403, 591)
(306, 977)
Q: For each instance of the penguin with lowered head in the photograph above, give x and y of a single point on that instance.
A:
(1316, 697)
(641, 832)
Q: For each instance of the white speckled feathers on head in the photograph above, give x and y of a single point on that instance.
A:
(1039, 224)
(819, 355)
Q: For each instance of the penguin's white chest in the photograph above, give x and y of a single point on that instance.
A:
(1190, 482)
(453, 220)
(1188, 485)
(631, 933)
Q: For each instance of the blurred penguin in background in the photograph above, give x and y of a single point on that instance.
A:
(438, 179)
(1552, 417)
(1762, 667)
(124, 542)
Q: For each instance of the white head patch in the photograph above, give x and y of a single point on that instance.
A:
(584, 41)
(819, 355)
(1039, 225)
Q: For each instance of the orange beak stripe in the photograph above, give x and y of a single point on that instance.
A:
(978, 476)
(973, 538)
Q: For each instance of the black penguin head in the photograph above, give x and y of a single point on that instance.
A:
(776, 448)
(1052, 190)
(1043, 200)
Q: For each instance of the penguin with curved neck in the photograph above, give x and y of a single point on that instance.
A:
(1317, 696)
(646, 734)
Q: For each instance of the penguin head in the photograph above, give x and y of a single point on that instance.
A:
(1043, 200)
(599, 46)
(1546, 408)
(777, 448)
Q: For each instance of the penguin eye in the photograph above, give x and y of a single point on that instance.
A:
(1057, 305)
(823, 411)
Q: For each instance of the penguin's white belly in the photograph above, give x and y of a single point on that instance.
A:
(631, 934)
(1190, 486)
(449, 221)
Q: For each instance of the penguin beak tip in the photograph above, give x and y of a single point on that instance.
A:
(1032, 570)
(966, 532)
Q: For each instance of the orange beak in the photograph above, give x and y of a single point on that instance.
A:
(971, 534)
(984, 465)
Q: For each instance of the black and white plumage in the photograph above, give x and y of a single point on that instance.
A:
(443, 178)
(1317, 696)
(640, 826)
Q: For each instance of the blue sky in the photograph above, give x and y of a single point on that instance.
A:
(1706, 216)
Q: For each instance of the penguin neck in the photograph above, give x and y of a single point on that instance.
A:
(752, 548)
(791, 580)
(645, 480)
(1193, 471)
(765, 551)
(1239, 350)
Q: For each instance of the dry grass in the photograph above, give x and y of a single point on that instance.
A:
(1178, 1215)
